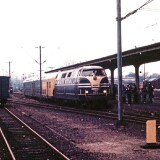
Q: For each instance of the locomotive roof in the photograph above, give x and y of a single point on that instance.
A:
(91, 67)
(78, 68)
(75, 71)
(75, 68)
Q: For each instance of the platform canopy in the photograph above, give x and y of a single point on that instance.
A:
(136, 56)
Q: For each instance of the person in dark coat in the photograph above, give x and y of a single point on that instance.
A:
(135, 94)
(128, 91)
(150, 92)
(144, 93)
(114, 90)
(123, 94)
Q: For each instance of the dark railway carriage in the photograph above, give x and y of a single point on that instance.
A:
(83, 84)
(155, 83)
(4, 89)
(29, 87)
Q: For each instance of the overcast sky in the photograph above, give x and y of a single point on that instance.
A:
(70, 31)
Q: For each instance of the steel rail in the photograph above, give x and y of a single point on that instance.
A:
(7, 144)
(136, 118)
(43, 139)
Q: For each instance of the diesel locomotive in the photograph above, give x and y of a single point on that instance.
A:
(87, 83)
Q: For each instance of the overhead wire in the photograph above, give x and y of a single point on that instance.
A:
(139, 8)
(26, 52)
(151, 9)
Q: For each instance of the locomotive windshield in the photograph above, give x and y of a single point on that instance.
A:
(93, 72)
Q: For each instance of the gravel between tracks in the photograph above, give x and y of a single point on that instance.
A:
(98, 138)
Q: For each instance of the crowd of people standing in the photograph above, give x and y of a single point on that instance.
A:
(132, 95)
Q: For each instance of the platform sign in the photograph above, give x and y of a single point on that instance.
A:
(151, 131)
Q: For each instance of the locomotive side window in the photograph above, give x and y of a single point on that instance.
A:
(56, 76)
(69, 74)
(63, 75)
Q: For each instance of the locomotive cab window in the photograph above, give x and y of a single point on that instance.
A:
(99, 72)
(93, 72)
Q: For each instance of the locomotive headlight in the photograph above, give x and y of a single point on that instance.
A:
(104, 91)
(86, 92)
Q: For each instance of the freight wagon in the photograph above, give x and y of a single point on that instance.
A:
(4, 90)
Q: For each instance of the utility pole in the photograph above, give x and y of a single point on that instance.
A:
(40, 65)
(119, 61)
(9, 69)
(40, 71)
(119, 53)
(9, 74)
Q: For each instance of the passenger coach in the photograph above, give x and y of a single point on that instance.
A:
(31, 88)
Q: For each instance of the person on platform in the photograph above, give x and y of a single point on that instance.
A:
(144, 93)
(128, 91)
(135, 94)
(150, 92)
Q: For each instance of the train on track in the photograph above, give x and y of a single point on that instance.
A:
(155, 82)
(4, 90)
(82, 84)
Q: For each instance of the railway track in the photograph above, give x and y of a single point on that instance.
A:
(82, 125)
(127, 117)
(5, 150)
(21, 142)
